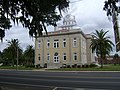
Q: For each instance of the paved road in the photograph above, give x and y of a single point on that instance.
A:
(43, 80)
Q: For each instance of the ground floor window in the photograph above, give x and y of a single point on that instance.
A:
(48, 57)
(64, 56)
(56, 58)
(75, 56)
(39, 57)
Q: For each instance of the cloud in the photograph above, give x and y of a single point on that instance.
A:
(20, 33)
(89, 17)
(89, 12)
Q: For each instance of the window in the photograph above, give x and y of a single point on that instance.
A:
(48, 57)
(39, 44)
(74, 42)
(56, 43)
(75, 56)
(64, 43)
(39, 57)
(56, 58)
(64, 56)
(48, 43)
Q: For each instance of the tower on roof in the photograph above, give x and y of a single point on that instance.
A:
(69, 20)
(68, 23)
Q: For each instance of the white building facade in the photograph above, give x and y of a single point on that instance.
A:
(66, 46)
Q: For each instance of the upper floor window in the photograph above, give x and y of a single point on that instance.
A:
(39, 44)
(64, 42)
(48, 57)
(64, 56)
(75, 56)
(56, 43)
(48, 43)
(74, 42)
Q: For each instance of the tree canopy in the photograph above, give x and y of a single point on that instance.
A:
(109, 6)
(9, 54)
(33, 14)
(113, 10)
(29, 55)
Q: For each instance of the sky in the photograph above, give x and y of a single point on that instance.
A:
(89, 16)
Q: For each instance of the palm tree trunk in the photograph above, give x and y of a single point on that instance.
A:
(101, 61)
(119, 61)
(101, 56)
(13, 62)
(115, 61)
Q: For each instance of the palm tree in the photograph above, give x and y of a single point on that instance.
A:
(7, 56)
(14, 49)
(29, 55)
(101, 44)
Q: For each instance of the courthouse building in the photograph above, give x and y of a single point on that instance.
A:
(67, 45)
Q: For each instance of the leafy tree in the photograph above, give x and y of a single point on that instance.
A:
(101, 44)
(110, 6)
(29, 55)
(113, 10)
(4, 23)
(33, 14)
(0, 56)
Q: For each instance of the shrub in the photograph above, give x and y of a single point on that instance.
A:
(93, 65)
(83, 66)
(64, 66)
(74, 66)
(78, 66)
(68, 66)
(29, 66)
(87, 66)
(38, 66)
(45, 65)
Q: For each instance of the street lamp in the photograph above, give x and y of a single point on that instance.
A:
(16, 49)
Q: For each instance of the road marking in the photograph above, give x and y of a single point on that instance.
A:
(70, 88)
(28, 85)
(55, 88)
(61, 88)
(10, 83)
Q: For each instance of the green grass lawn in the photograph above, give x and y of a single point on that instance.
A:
(19, 67)
(105, 68)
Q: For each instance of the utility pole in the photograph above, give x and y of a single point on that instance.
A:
(17, 58)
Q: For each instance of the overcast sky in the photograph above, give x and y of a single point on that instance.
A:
(89, 16)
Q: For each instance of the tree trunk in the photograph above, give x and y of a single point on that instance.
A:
(119, 60)
(101, 61)
(13, 62)
(115, 61)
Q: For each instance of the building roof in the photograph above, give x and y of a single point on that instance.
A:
(65, 32)
(69, 27)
